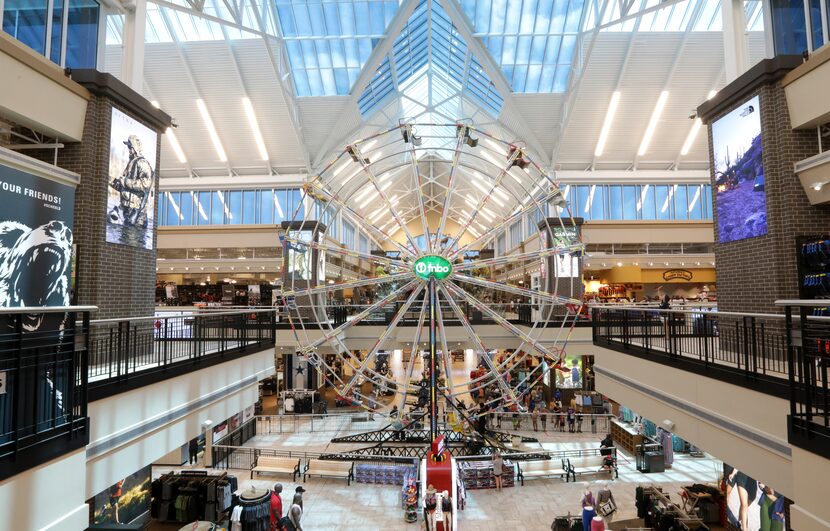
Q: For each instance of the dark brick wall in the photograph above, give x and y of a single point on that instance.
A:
(119, 279)
(754, 273)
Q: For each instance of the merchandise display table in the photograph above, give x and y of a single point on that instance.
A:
(625, 436)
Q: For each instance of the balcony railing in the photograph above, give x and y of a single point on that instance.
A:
(808, 336)
(43, 384)
(785, 355)
(128, 353)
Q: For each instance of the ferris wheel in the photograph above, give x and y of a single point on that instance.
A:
(434, 207)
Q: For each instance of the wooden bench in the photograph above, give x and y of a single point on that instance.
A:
(329, 469)
(590, 464)
(544, 468)
(277, 465)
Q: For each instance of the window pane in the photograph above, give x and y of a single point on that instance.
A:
(707, 201)
(217, 211)
(647, 202)
(583, 209)
(282, 212)
(789, 27)
(57, 28)
(172, 208)
(663, 202)
(681, 206)
(234, 204)
(615, 202)
(695, 202)
(204, 208)
(249, 207)
(186, 208)
(82, 34)
(815, 24)
(25, 20)
(629, 202)
(162, 207)
(266, 207)
(598, 202)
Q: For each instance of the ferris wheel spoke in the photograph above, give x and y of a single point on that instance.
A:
(443, 337)
(325, 288)
(360, 316)
(513, 216)
(365, 163)
(384, 335)
(416, 341)
(459, 141)
(465, 225)
(334, 198)
(505, 387)
(507, 288)
(342, 251)
(416, 176)
(537, 346)
(519, 257)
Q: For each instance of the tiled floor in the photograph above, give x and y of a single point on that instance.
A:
(331, 505)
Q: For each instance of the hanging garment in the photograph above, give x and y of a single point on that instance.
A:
(236, 518)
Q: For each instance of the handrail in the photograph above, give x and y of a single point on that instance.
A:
(807, 303)
(157, 317)
(47, 309)
(810, 303)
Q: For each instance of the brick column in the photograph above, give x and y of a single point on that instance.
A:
(755, 272)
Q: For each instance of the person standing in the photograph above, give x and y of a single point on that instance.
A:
(534, 418)
(543, 415)
(193, 450)
(571, 415)
(295, 514)
(498, 468)
(276, 506)
(298, 496)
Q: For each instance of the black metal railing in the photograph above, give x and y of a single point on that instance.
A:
(808, 336)
(750, 344)
(123, 349)
(43, 384)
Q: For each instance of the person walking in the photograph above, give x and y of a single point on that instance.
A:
(276, 506)
(295, 514)
(498, 468)
(298, 496)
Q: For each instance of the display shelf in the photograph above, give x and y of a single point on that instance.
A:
(625, 436)
(479, 474)
(814, 269)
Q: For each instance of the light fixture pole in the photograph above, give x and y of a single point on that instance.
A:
(433, 381)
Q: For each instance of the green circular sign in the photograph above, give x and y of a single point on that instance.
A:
(432, 266)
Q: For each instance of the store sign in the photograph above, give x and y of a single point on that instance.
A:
(675, 274)
(432, 266)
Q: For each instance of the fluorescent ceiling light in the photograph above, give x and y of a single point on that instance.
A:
(252, 121)
(375, 215)
(652, 123)
(491, 159)
(369, 199)
(177, 148)
(369, 145)
(606, 125)
(498, 146)
(711, 94)
(362, 195)
(687, 145)
(340, 168)
(214, 136)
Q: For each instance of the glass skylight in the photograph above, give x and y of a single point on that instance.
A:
(430, 46)
(533, 40)
(329, 42)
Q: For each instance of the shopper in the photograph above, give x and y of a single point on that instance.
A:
(295, 515)
(543, 416)
(193, 450)
(606, 449)
(276, 506)
(571, 415)
(298, 496)
(534, 418)
(498, 468)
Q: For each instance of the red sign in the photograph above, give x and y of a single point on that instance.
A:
(438, 445)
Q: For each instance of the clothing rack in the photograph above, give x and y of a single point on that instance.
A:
(667, 509)
(191, 495)
(253, 510)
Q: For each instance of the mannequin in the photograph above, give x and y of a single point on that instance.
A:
(588, 514)
(588, 498)
(597, 524)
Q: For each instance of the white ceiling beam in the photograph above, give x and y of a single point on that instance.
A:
(199, 13)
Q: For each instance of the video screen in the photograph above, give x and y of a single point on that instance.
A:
(739, 174)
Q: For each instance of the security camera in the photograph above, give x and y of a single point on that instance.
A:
(693, 114)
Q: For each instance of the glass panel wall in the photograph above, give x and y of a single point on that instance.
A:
(640, 202)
